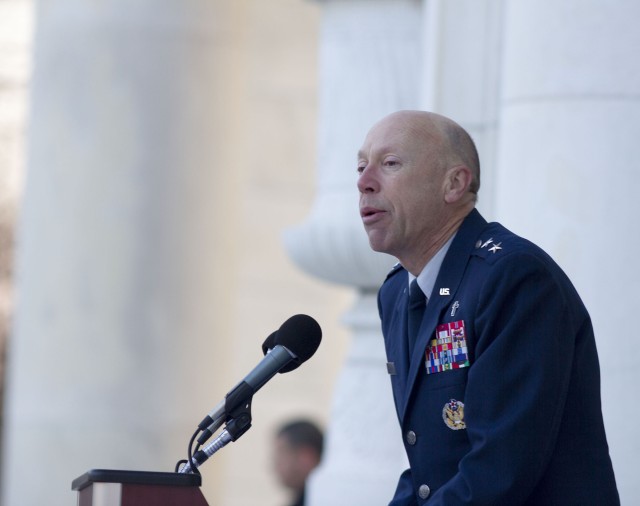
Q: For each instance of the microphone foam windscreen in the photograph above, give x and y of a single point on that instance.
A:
(301, 335)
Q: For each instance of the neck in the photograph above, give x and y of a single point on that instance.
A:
(416, 263)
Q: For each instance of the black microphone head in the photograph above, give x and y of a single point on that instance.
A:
(301, 335)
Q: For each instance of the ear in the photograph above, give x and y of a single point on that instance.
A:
(457, 181)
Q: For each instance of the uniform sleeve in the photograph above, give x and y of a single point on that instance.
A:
(526, 320)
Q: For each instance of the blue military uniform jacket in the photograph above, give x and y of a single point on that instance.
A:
(499, 401)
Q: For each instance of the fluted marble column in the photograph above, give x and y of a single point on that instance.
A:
(568, 176)
(369, 66)
(115, 259)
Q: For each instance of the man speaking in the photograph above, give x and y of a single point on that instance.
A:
(491, 352)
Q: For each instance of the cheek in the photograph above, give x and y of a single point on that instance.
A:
(413, 206)
(411, 200)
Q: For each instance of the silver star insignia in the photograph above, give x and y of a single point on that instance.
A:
(487, 243)
(495, 247)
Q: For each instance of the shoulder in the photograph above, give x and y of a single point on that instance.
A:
(389, 293)
(498, 244)
(397, 268)
(394, 283)
(511, 259)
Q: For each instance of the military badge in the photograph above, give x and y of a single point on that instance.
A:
(495, 247)
(449, 348)
(453, 415)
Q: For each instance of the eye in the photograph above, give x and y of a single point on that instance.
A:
(391, 162)
(361, 167)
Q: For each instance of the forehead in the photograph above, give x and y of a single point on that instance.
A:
(400, 135)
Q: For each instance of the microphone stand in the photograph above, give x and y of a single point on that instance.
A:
(237, 423)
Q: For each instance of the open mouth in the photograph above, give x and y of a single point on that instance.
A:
(369, 214)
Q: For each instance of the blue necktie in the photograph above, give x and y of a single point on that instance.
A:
(417, 304)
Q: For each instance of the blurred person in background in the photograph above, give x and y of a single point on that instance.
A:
(297, 451)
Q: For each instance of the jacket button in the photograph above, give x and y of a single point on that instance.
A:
(424, 491)
(411, 438)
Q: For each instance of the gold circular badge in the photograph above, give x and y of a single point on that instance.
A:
(453, 415)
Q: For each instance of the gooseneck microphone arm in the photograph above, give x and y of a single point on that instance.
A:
(203, 455)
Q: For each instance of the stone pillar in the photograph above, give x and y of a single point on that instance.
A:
(461, 74)
(568, 176)
(16, 27)
(369, 67)
(115, 262)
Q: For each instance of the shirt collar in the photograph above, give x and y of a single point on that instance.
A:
(428, 275)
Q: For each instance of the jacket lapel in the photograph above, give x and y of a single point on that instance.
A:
(402, 357)
(450, 275)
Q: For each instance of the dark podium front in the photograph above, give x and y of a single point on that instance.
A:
(106, 487)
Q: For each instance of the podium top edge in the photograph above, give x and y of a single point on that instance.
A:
(135, 478)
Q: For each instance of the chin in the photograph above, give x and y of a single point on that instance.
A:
(375, 240)
(378, 248)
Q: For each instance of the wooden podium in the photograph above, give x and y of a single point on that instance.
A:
(106, 487)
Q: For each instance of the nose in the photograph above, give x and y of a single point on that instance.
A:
(367, 181)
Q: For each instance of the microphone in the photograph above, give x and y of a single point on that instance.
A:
(287, 336)
(293, 343)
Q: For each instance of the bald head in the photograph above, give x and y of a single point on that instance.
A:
(454, 145)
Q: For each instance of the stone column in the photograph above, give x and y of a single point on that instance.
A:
(568, 176)
(462, 47)
(116, 260)
(16, 27)
(369, 66)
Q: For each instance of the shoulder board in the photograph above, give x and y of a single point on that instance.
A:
(494, 242)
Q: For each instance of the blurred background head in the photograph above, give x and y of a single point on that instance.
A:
(297, 450)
